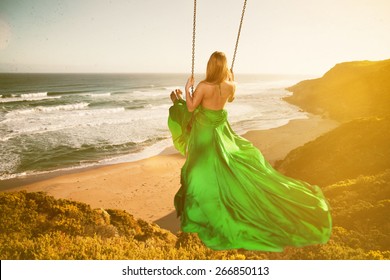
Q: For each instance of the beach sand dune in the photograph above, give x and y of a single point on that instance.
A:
(146, 188)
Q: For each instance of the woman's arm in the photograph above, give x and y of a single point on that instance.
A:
(232, 96)
(231, 76)
(231, 79)
(196, 98)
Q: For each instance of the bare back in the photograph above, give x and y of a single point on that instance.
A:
(215, 96)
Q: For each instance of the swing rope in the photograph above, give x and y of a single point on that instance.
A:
(194, 37)
(238, 35)
(193, 45)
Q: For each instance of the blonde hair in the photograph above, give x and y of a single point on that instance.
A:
(217, 68)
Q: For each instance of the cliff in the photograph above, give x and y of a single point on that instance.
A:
(347, 91)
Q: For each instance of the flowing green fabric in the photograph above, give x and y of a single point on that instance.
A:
(232, 197)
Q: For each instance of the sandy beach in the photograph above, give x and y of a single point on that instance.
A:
(146, 188)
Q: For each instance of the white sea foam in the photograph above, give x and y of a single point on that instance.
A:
(68, 107)
(7, 176)
(28, 97)
(9, 162)
(30, 121)
(49, 109)
(36, 94)
(145, 153)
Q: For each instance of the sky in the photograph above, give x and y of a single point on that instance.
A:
(278, 36)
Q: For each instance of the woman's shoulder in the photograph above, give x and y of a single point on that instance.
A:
(229, 84)
(208, 84)
(203, 85)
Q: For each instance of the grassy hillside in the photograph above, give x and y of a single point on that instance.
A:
(347, 91)
(358, 147)
(352, 162)
(37, 226)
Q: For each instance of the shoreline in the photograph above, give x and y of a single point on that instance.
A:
(145, 188)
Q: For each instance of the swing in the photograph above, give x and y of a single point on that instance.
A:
(193, 40)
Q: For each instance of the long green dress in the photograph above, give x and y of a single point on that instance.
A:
(232, 197)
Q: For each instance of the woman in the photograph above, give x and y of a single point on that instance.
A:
(230, 195)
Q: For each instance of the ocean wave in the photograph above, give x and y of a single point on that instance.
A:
(8, 163)
(7, 95)
(26, 97)
(49, 109)
(106, 94)
(36, 94)
(42, 120)
(145, 95)
(92, 155)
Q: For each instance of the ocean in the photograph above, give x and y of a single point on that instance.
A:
(52, 122)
